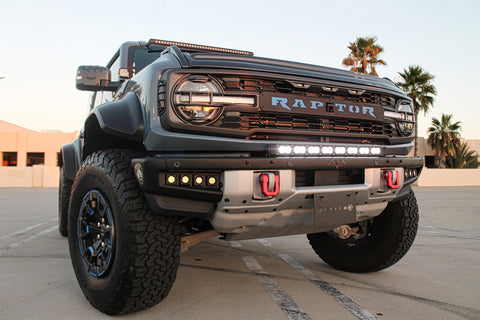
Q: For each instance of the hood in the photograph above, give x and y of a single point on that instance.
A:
(249, 63)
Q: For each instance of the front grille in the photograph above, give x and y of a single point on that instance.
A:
(269, 125)
(297, 123)
(263, 123)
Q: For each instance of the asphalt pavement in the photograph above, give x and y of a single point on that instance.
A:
(273, 278)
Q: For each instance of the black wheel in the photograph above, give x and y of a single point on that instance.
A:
(64, 189)
(125, 258)
(378, 244)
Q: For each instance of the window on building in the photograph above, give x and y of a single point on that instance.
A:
(432, 162)
(9, 159)
(35, 158)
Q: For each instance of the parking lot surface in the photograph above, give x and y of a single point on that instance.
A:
(272, 278)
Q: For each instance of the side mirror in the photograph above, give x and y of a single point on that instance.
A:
(95, 78)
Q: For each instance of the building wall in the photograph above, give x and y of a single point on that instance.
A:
(449, 178)
(22, 141)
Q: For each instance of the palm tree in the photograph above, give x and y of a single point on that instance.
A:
(364, 55)
(444, 136)
(463, 157)
(417, 84)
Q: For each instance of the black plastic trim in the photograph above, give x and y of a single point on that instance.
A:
(179, 207)
(178, 54)
(72, 158)
(166, 163)
(122, 118)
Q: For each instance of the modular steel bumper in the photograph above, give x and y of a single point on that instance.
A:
(297, 210)
(233, 210)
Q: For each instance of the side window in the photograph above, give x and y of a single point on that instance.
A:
(115, 68)
(102, 97)
(97, 98)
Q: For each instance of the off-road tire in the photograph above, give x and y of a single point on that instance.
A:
(145, 250)
(64, 189)
(390, 237)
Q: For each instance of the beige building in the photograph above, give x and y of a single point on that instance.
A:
(28, 157)
(21, 147)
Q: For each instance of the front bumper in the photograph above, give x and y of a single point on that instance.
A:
(232, 198)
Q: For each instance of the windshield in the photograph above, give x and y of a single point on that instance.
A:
(140, 57)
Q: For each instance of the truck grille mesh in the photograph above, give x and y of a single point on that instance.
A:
(299, 124)
(255, 123)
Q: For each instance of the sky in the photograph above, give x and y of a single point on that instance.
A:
(43, 43)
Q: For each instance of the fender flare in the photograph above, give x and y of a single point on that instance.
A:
(122, 119)
(72, 158)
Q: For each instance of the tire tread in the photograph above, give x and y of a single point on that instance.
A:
(151, 251)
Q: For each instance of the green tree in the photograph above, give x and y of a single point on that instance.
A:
(444, 135)
(462, 158)
(417, 84)
(363, 56)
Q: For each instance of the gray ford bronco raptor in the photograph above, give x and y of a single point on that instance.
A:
(185, 142)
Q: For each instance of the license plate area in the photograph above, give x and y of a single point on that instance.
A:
(335, 208)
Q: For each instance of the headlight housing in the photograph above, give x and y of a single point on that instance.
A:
(406, 123)
(405, 117)
(194, 102)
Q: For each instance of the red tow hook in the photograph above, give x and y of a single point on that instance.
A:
(388, 175)
(269, 181)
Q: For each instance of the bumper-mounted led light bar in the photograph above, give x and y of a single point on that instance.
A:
(284, 150)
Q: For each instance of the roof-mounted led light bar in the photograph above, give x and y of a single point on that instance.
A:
(284, 150)
(199, 47)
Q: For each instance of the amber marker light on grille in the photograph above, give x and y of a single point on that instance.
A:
(198, 180)
(185, 179)
(329, 89)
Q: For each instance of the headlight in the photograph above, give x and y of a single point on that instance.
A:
(194, 100)
(200, 100)
(404, 116)
(407, 122)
